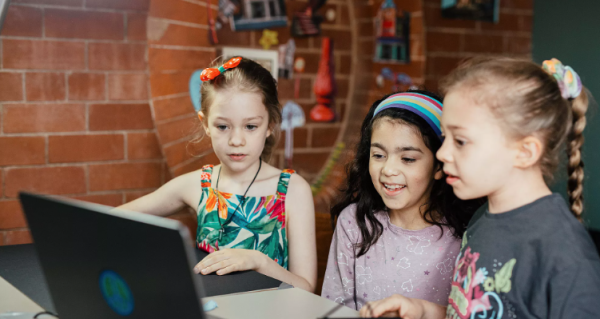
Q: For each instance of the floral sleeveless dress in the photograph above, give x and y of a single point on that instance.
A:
(258, 224)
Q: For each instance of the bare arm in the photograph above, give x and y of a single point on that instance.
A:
(406, 308)
(169, 198)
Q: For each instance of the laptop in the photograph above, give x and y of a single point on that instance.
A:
(103, 263)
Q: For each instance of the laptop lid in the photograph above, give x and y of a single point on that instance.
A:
(103, 263)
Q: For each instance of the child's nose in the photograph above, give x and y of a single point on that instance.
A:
(443, 154)
(237, 138)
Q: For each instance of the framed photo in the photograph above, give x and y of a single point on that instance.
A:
(269, 59)
(486, 10)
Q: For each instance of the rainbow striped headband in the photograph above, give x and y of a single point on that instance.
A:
(424, 106)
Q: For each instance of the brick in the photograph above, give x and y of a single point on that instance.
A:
(283, 33)
(143, 146)
(443, 42)
(441, 66)
(39, 54)
(300, 138)
(106, 117)
(178, 129)
(17, 237)
(178, 10)
(11, 215)
(117, 56)
(285, 89)
(130, 196)
(79, 24)
(12, 86)
(136, 5)
(416, 26)
(324, 136)
(29, 118)
(517, 4)
(1, 183)
(183, 35)
(366, 29)
(87, 86)
(416, 47)
(344, 13)
(47, 180)
(162, 84)
(166, 59)
(311, 62)
(85, 148)
(342, 87)
(345, 65)
(364, 10)
(410, 6)
(136, 26)
(518, 45)
(103, 177)
(45, 86)
(70, 3)
(506, 22)
(196, 165)
(123, 86)
(102, 199)
(367, 47)
(177, 153)
(323, 12)
(309, 163)
(22, 150)
(23, 22)
(484, 43)
(172, 107)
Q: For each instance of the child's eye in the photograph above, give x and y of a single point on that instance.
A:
(459, 142)
(221, 127)
(408, 160)
(377, 156)
(251, 127)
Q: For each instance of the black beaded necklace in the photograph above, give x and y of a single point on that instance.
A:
(228, 219)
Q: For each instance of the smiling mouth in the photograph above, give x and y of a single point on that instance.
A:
(392, 189)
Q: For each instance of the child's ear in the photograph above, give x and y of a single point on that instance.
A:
(201, 118)
(529, 151)
(269, 131)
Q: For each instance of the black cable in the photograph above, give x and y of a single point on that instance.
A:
(45, 313)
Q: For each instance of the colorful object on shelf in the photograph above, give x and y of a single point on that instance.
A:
(268, 39)
(568, 80)
(286, 59)
(307, 23)
(324, 87)
(392, 33)
(194, 86)
(227, 9)
(212, 29)
(486, 10)
(401, 81)
(317, 185)
(256, 15)
(211, 73)
(293, 116)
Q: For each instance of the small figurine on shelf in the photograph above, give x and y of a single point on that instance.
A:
(324, 87)
(401, 81)
(392, 32)
(307, 22)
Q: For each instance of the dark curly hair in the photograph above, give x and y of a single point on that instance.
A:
(443, 208)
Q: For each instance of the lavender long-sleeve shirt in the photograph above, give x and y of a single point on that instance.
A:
(413, 263)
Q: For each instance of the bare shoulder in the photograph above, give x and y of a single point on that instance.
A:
(299, 199)
(298, 185)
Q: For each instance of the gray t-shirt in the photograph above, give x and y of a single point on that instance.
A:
(536, 261)
(414, 263)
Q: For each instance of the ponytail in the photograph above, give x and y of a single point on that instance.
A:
(575, 164)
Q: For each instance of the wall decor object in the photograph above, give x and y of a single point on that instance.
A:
(258, 14)
(317, 185)
(325, 88)
(307, 22)
(292, 117)
(286, 59)
(400, 81)
(486, 10)
(212, 28)
(268, 39)
(392, 28)
(269, 59)
(194, 87)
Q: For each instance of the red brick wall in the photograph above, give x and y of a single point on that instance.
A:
(451, 41)
(74, 113)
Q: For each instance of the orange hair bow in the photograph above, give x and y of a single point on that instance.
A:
(211, 73)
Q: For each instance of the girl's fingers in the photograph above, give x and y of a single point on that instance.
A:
(210, 260)
(228, 269)
(367, 309)
(214, 267)
(391, 304)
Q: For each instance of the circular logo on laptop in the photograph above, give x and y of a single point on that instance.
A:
(116, 292)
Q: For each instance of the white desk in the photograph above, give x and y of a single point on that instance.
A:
(289, 303)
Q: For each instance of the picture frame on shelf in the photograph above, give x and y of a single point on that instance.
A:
(269, 59)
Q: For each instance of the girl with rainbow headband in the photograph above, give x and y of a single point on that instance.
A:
(525, 254)
(251, 215)
(398, 223)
